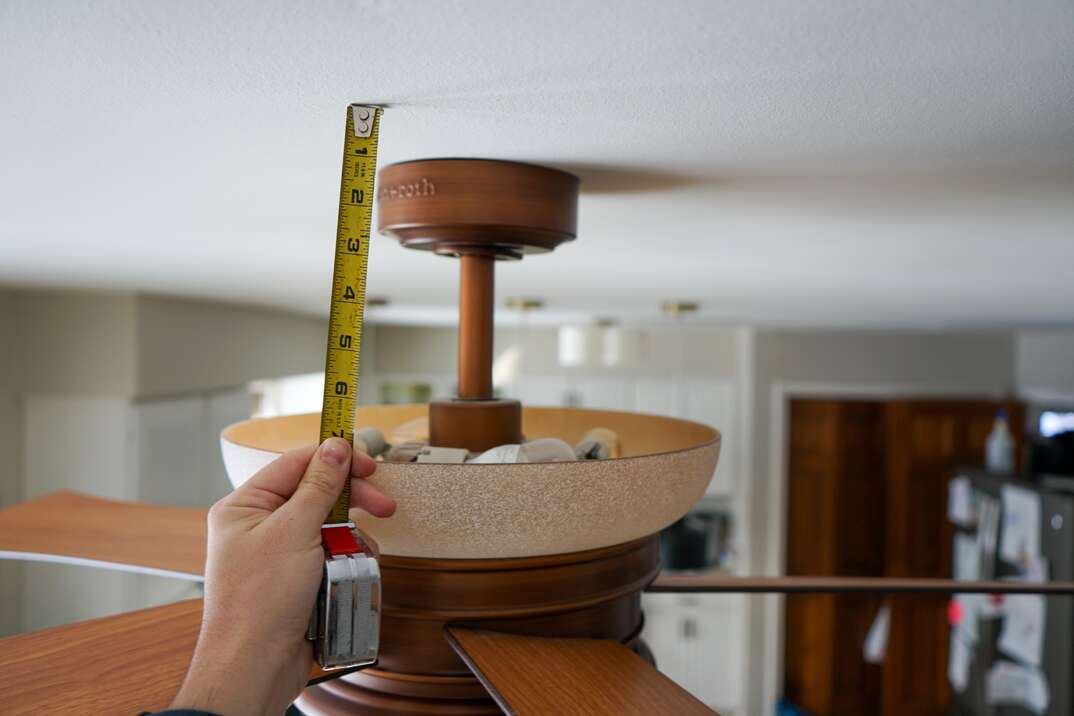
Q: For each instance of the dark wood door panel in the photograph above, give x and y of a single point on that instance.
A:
(867, 496)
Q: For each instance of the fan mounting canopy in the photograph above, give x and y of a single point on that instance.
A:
(477, 206)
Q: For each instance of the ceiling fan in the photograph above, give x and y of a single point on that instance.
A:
(507, 587)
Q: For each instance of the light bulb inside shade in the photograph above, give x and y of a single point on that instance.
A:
(572, 346)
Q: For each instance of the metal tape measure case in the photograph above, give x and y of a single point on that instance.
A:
(346, 620)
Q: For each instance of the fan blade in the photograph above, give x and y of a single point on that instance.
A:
(842, 585)
(128, 663)
(76, 528)
(542, 675)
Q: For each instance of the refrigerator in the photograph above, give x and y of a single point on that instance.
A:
(998, 513)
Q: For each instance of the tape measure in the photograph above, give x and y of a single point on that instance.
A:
(353, 230)
(345, 624)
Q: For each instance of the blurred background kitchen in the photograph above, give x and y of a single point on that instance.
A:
(840, 233)
(839, 446)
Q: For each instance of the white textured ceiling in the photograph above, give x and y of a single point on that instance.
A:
(815, 163)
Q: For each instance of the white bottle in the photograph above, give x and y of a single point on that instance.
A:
(999, 447)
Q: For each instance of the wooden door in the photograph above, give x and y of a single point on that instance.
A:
(835, 527)
(926, 441)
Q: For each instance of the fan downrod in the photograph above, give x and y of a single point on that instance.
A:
(480, 211)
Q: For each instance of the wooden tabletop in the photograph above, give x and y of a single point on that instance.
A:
(73, 525)
(534, 676)
(123, 664)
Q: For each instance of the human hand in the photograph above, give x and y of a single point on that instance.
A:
(262, 574)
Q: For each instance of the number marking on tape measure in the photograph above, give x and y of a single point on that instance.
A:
(348, 284)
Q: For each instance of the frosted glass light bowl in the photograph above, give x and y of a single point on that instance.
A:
(515, 510)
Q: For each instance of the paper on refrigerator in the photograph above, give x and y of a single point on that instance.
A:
(987, 533)
(1022, 636)
(1013, 684)
(969, 609)
(967, 557)
(958, 662)
(1020, 536)
(960, 502)
(876, 641)
(1035, 570)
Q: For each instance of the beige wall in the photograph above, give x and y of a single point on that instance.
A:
(11, 573)
(189, 346)
(1044, 365)
(75, 342)
(10, 420)
(969, 361)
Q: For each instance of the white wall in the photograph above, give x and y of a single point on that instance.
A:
(831, 363)
(1044, 366)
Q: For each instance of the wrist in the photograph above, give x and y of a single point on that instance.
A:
(236, 677)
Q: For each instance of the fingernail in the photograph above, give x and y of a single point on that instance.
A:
(335, 451)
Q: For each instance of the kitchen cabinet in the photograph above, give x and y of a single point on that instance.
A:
(697, 641)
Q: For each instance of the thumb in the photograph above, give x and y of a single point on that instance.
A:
(322, 483)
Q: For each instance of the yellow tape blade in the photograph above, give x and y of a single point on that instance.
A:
(353, 231)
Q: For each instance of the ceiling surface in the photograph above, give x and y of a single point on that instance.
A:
(783, 163)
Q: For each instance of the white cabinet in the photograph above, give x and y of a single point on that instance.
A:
(656, 396)
(712, 402)
(697, 642)
(73, 443)
(604, 394)
(178, 446)
(177, 462)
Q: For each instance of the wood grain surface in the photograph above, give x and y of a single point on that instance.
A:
(134, 533)
(842, 585)
(123, 664)
(541, 675)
